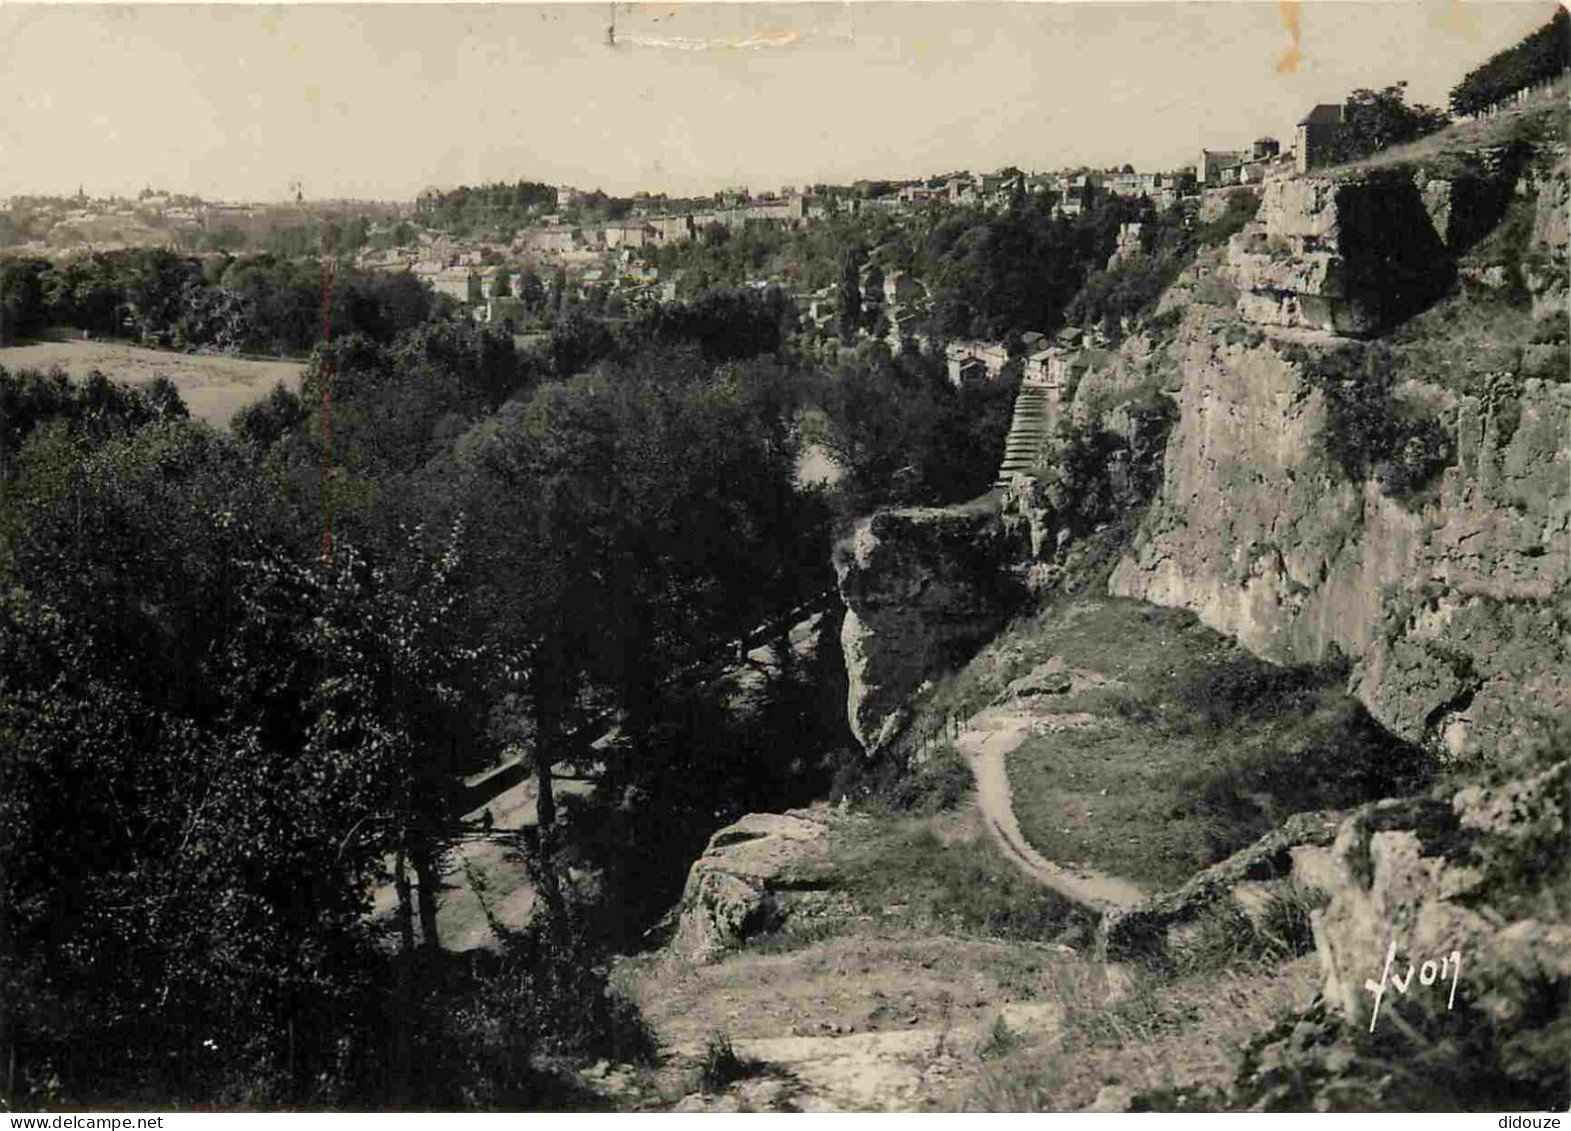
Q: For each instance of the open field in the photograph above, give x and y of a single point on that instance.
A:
(212, 386)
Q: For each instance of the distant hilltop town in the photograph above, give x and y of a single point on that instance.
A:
(572, 229)
(511, 255)
(498, 251)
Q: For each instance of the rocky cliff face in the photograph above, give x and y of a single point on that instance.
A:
(1357, 252)
(922, 588)
(1444, 944)
(1456, 603)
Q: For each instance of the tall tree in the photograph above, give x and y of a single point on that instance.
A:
(1373, 120)
(850, 293)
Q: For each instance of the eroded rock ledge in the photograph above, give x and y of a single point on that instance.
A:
(923, 588)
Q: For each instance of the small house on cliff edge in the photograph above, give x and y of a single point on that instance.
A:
(1315, 134)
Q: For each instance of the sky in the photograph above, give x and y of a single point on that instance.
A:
(372, 101)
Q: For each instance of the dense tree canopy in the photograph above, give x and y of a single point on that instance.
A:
(262, 303)
(255, 668)
(1542, 56)
(1373, 120)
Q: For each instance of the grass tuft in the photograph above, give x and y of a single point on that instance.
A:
(721, 1065)
(1000, 1041)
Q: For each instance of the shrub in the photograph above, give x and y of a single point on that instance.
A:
(1426, 451)
(1000, 1041)
(895, 782)
(1213, 290)
(721, 1066)
(941, 781)
(1223, 693)
(1295, 742)
(1366, 430)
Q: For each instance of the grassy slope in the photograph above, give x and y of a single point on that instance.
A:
(1197, 749)
(1457, 145)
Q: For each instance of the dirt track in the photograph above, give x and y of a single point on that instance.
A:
(987, 740)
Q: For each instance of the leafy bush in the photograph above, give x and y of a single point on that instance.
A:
(1464, 1059)
(940, 781)
(94, 408)
(1227, 692)
(1367, 431)
(1127, 289)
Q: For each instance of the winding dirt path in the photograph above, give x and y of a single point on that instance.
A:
(989, 737)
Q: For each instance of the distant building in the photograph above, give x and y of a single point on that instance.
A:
(969, 362)
(1208, 170)
(1124, 184)
(1315, 136)
(504, 314)
(672, 229)
(901, 289)
(1264, 147)
(967, 370)
(631, 233)
(554, 239)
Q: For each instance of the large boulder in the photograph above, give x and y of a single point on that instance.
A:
(923, 588)
(1476, 875)
(741, 886)
(1446, 950)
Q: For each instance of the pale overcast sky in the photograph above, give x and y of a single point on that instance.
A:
(372, 101)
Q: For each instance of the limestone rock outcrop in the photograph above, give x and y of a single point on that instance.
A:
(741, 885)
(1355, 252)
(1296, 854)
(1338, 255)
(1473, 875)
(1545, 268)
(1445, 949)
(1454, 608)
(922, 587)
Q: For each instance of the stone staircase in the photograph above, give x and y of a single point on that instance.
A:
(1033, 423)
